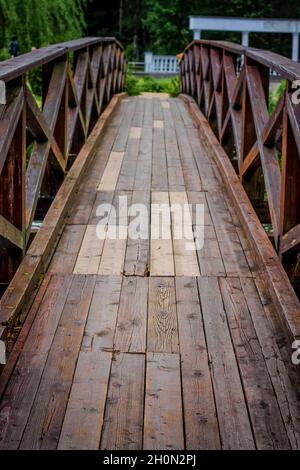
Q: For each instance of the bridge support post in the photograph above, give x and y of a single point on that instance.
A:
(197, 35)
(245, 38)
(148, 61)
(295, 47)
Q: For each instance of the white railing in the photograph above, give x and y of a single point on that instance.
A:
(161, 63)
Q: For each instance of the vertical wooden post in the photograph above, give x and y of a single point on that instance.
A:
(12, 193)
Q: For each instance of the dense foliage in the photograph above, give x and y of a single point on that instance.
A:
(162, 25)
(136, 86)
(38, 23)
(157, 25)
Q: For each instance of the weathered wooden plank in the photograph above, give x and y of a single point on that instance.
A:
(231, 249)
(276, 355)
(138, 115)
(67, 250)
(111, 173)
(83, 420)
(148, 114)
(267, 423)
(105, 198)
(128, 170)
(175, 173)
(89, 256)
(189, 168)
(157, 124)
(14, 355)
(135, 132)
(185, 255)
(163, 426)
(81, 208)
(162, 316)
(123, 133)
(200, 419)
(21, 390)
(142, 179)
(137, 253)
(45, 420)
(234, 423)
(123, 422)
(209, 256)
(199, 198)
(113, 255)
(161, 247)
(131, 328)
(159, 162)
(101, 322)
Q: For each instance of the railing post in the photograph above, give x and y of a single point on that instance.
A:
(245, 38)
(148, 57)
(295, 47)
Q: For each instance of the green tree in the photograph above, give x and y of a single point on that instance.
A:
(37, 23)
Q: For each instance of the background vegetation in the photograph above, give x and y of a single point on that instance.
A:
(38, 23)
(161, 26)
(157, 25)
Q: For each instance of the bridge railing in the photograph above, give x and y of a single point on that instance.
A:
(40, 137)
(264, 146)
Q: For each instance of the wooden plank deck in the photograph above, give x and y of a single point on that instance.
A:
(141, 343)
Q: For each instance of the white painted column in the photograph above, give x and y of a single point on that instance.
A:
(245, 38)
(197, 34)
(295, 48)
(148, 62)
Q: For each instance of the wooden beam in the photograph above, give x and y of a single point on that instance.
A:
(290, 240)
(10, 114)
(11, 233)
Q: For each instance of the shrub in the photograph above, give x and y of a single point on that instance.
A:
(131, 85)
(275, 96)
(135, 85)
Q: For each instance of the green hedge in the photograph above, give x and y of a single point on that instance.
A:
(136, 86)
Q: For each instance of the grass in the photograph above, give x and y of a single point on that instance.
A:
(135, 85)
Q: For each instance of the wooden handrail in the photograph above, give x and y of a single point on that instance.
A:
(264, 148)
(38, 144)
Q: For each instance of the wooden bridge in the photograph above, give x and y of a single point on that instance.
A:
(133, 343)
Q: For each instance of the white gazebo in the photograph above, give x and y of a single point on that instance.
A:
(246, 26)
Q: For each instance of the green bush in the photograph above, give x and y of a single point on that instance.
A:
(131, 85)
(147, 84)
(275, 96)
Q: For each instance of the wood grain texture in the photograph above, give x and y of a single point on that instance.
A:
(101, 322)
(162, 316)
(200, 417)
(264, 412)
(45, 420)
(131, 328)
(20, 393)
(161, 247)
(235, 427)
(89, 256)
(111, 173)
(123, 422)
(85, 410)
(65, 256)
(163, 427)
